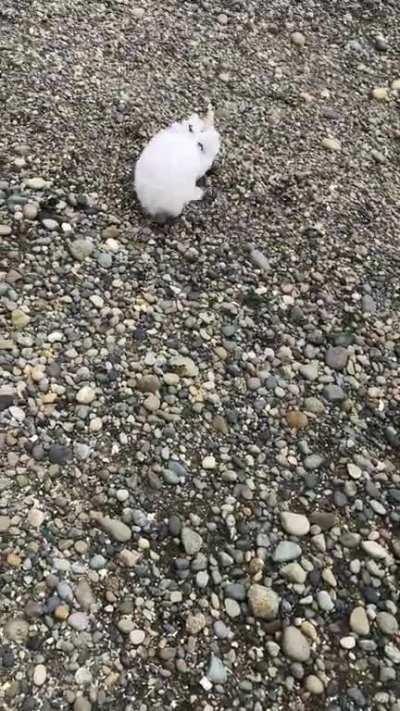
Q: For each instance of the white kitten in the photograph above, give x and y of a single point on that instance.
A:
(172, 162)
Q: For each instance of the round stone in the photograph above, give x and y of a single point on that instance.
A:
(314, 685)
(294, 573)
(82, 704)
(387, 623)
(325, 601)
(118, 530)
(16, 630)
(359, 622)
(195, 623)
(5, 523)
(331, 144)
(296, 419)
(209, 462)
(216, 672)
(295, 645)
(232, 607)
(295, 524)
(152, 403)
(19, 319)
(380, 93)
(298, 39)
(39, 675)
(81, 249)
(137, 637)
(348, 642)
(30, 211)
(264, 602)
(79, 621)
(36, 183)
(191, 540)
(374, 550)
(334, 393)
(286, 551)
(85, 395)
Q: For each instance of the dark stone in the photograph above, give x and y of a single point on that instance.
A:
(340, 499)
(394, 496)
(60, 454)
(357, 696)
(324, 519)
(174, 525)
(6, 401)
(371, 595)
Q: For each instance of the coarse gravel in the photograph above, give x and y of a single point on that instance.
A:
(200, 422)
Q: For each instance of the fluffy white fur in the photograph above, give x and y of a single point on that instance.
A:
(170, 165)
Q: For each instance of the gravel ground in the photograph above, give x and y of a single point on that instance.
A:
(200, 423)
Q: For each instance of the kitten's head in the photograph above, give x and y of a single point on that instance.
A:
(196, 125)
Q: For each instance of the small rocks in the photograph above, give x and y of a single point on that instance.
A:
(232, 608)
(337, 357)
(81, 249)
(295, 645)
(387, 623)
(296, 419)
(199, 436)
(285, 551)
(380, 93)
(16, 630)
(19, 319)
(348, 642)
(137, 637)
(260, 260)
(30, 211)
(129, 558)
(60, 454)
(324, 519)
(294, 573)
(148, 384)
(374, 550)
(313, 461)
(36, 183)
(191, 540)
(325, 602)
(209, 462)
(185, 366)
(195, 623)
(298, 39)
(86, 395)
(368, 304)
(84, 595)
(118, 530)
(295, 524)
(331, 144)
(381, 44)
(354, 471)
(138, 13)
(314, 685)
(39, 675)
(264, 602)
(216, 672)
(359, 622)
(125, 624)
(82, 704)
(79, 621)
(152, 403)
(310, 371)
(333, 393)
(5, 523)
